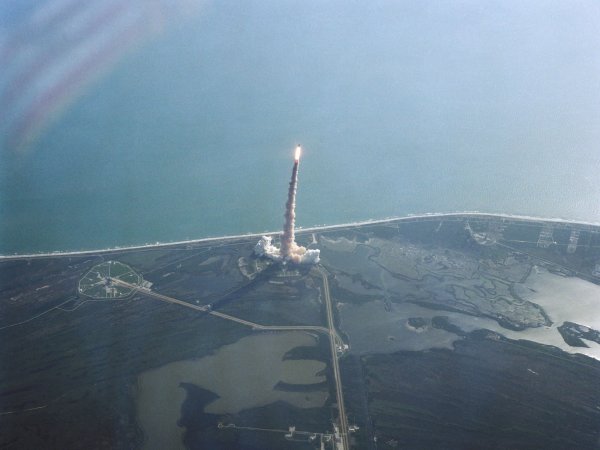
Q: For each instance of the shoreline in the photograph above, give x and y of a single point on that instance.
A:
(298, 231)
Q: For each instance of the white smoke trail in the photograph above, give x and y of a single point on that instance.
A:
(288, 240)
(290, 251)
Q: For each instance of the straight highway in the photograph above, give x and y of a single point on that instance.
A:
(336, 366)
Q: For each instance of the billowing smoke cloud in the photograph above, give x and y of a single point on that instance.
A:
(264, 247)
(290, 251)
(299, 255)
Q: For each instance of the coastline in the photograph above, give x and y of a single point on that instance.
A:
(410, 217)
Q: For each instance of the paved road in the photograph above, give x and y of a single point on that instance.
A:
(257, 326)
(275, 430)
(336, 366)
(248, 323)
(150, 293)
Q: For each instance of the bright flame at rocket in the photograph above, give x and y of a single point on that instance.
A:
(290, 251)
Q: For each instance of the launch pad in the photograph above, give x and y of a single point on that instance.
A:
(99, 281)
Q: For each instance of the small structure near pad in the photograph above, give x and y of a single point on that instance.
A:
(98, 281)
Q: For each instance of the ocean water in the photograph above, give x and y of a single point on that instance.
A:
(402, 107)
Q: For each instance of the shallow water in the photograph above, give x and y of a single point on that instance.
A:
(565, 299)
(372, 328)
(236, 373)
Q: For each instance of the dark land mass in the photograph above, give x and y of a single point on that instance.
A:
(573, 334)
(487, 393)
(70, 363)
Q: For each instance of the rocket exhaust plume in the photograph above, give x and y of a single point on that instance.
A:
(290, 251)
(288, 240)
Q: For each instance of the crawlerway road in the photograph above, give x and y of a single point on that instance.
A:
(330, 330)
(208, 310)
(336, 367)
